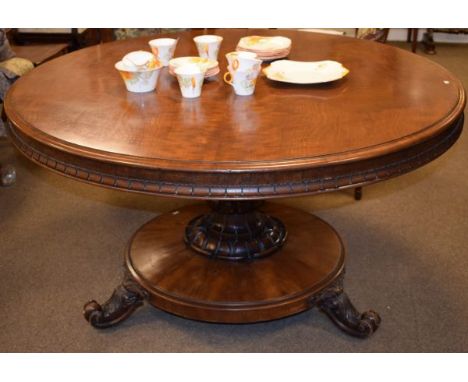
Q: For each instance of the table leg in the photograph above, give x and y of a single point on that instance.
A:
(127, 297)
(238, 262)
(338, 307)
(414, 43)
(358, 193)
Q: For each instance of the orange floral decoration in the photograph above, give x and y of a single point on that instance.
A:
(153, 64)
(126, 75)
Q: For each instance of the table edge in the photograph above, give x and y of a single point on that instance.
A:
(242, 185)
(240, 166)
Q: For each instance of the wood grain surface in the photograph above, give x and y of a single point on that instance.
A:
(183, 282)
(76, 111)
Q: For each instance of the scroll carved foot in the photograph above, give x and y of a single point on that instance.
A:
(338, 307)
(126, 298)
(358, 193)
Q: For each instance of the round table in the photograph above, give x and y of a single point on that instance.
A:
(237, 259)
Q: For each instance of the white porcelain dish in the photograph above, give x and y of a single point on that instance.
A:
(211, 67)
(268, 44)
(205, 62)
(305, 72)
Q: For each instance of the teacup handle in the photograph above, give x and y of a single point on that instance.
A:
(229, 82)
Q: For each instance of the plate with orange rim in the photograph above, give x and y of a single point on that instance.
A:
(264, 43)
(305, 72)
(267, 48)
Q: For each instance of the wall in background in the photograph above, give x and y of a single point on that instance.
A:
(396, 34)
(399, 34)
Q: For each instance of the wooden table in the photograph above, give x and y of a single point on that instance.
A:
(237, 260)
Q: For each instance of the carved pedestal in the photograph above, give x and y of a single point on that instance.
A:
(239, 262)
(235, 231)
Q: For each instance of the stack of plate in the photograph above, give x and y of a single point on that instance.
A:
(211, 66)
(266, 47)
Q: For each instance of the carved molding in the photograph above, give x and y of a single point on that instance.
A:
(235, 230)
(127, 297)
(335, 303)
(308, 181)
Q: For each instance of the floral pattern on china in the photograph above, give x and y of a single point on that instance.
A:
(305, 72)
(163, 49)
(139, 70)
(190, 78)
(266, 47)
(140, 60)
(264, 43)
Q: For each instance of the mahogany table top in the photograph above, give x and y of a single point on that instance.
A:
(75, 110)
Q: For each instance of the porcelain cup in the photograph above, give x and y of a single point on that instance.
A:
(139, 80)
(243, 61)
(243, 81)
(139, 60)
(208, 45)
(163, 49)
(190, 79)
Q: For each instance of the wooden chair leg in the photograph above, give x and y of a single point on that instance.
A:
(358, 193)
(428, 42)
(414, 44)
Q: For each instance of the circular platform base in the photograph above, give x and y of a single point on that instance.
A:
(185, 283)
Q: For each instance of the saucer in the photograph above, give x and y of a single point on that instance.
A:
(267, 56)
(212, 67)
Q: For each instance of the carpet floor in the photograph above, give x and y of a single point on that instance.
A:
(62, 242)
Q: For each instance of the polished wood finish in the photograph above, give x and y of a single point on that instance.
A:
(185, 283)
(393, 113)
(223, 146)
(305, 273)
(239, 185)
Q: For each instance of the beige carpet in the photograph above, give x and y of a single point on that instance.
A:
(61, 244)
